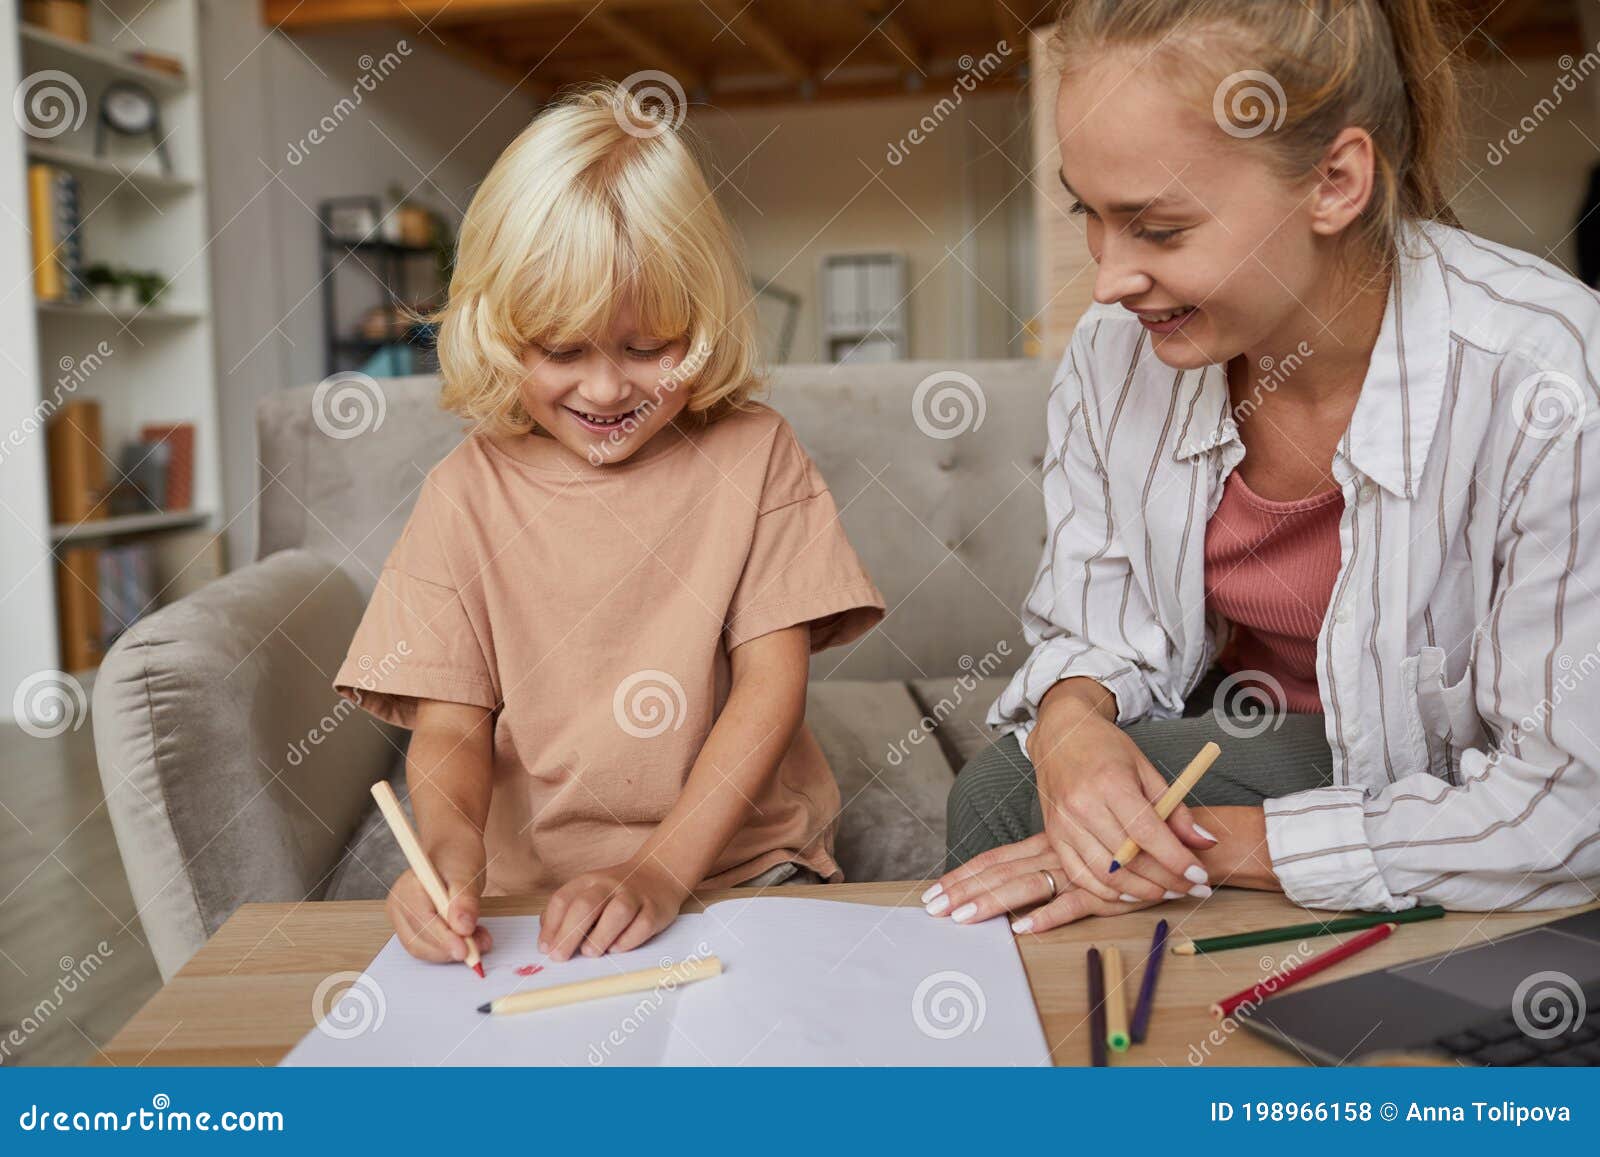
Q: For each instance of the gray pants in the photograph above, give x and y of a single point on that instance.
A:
(995, 799)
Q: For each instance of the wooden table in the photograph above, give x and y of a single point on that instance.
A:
(245, 998)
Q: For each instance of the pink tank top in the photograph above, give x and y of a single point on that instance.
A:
(1270, 569)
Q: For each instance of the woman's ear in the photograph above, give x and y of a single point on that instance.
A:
(1345, 179)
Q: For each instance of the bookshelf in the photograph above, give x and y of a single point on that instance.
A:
(133, 213)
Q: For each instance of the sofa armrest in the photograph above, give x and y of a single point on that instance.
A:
(232, 771)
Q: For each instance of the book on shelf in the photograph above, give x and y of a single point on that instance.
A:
(125, 588)
(77, 463)
(78, 613)
(54, 214)
(180, 466)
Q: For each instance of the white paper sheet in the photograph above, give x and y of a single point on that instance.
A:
(804, 982)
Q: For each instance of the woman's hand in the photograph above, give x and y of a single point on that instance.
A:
(1012, 877)
(610, 910)
(421, 930)
(1096, 789)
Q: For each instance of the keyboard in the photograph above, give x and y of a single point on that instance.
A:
(1498, 1041)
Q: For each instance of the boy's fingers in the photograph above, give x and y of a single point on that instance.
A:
(463, 910)
(550, 919)
(414, 933)
(579, 917)
(614, 919)
(641, 929)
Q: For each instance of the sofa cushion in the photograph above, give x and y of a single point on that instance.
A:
(373, 861)
(955, 708)
(893, 788)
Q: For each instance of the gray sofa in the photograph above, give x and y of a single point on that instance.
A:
(233, 773)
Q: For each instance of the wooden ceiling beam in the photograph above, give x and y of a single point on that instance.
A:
(880, 18)
(475, 55)
(646, 49)
(754, 31)
(309, 14)
(305, 14)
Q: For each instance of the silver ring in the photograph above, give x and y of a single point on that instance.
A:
(1049, 879)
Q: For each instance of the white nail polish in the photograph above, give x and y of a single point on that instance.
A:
(1195, 874)
(937, 905)
(1200, 831)
(1128, 898)
(932, 892)
(1170, 895)
(1199, 891)
(964, 913)
(1023, 925)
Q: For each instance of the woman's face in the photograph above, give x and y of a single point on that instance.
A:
(603, 399)
(1190, 229)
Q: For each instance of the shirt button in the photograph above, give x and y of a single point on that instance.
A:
(1368, 492)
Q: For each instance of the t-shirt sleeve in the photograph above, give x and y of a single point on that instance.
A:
(801, 567)
(416, 640)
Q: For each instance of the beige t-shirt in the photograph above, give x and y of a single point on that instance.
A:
(594, 608)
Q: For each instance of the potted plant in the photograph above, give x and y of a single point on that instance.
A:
(149, 286)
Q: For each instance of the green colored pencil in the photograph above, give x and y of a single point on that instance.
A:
(1296, 931)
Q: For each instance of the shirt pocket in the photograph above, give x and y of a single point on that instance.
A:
(1446, 712)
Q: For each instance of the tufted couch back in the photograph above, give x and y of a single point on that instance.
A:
(950, 527)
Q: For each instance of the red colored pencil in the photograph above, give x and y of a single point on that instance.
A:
(1279, 981)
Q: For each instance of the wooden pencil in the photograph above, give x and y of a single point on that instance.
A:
(406, 837)
(1147, 986)
(667, 976)
(1097, 1008)
(1171, 798)
(1286, 977)
(1297, 931)
(1116, 1000)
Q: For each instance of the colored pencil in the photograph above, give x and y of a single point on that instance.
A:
(406, 837)
(1171, 798)
(1296, 931)
(1284, 978)
(1097, 1009)
(1116, 1000)
(667, 976)
(1147, 986)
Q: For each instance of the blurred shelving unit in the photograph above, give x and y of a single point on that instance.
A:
(143, 364)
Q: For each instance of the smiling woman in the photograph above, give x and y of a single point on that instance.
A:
(1317, 447)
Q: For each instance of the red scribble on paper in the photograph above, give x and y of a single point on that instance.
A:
(530, 969)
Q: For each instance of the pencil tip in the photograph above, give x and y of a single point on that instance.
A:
(1115, 865)
(484, 1007)
(478, 968)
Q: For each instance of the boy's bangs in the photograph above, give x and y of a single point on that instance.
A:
(583, 273)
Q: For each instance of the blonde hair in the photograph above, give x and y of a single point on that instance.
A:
(593, 206)
(1381, 65)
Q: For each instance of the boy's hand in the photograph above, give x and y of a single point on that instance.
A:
(419, 927)
(613, 909)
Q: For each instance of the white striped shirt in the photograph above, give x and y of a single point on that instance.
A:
(1459, 660)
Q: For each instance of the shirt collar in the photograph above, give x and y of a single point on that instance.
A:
(1392, 426)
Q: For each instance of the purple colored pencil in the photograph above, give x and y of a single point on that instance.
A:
(1097, 1010)
(1147, 986)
